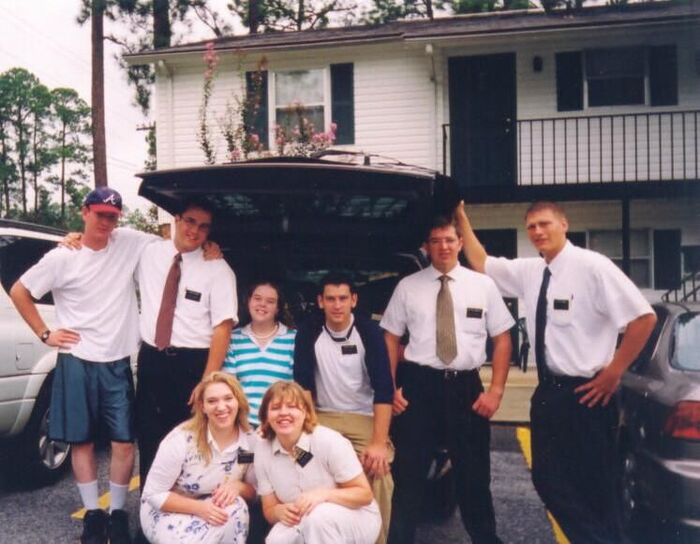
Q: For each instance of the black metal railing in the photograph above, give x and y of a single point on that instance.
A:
(635, 147)
(688, 290)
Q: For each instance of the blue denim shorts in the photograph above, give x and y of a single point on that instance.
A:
(90, 399)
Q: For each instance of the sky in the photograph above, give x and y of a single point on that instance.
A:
(44, 37)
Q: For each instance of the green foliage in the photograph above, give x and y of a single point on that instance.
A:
(146, 222)
(204, 137)
(44, 150)
(281, 15)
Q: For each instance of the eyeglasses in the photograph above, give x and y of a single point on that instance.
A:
(449, 240)
(192, 223)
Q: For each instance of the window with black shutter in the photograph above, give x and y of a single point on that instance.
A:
(569, 70)
(257, 110)
(615, 76)
(663, 75)
(667, 258)
(343, 102)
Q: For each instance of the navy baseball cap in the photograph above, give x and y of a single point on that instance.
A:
(104, 199)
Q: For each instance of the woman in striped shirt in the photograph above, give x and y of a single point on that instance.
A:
(261, 353)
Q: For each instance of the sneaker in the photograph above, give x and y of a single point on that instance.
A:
(94, 527)
(119, 527)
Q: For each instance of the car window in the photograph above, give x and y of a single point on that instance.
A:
(686, 342)
(18, 254)
(640, 363)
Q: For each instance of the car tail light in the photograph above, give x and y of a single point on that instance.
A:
(684, 421)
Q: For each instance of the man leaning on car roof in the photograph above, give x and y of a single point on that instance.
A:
(97, 331)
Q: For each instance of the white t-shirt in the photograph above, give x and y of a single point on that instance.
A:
(94, 294)
(206, 295)
(479, 311)
(589, 301)
(342, 380)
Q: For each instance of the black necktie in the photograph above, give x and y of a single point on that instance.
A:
(540, 324)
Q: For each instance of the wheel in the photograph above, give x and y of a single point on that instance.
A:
(39, 460)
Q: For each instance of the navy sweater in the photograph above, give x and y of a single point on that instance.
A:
(376, 357)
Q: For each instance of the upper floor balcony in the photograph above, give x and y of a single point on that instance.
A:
(589, 157)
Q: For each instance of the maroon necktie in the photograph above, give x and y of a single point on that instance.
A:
(164, 325)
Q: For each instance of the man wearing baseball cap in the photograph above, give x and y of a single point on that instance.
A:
(96, 331)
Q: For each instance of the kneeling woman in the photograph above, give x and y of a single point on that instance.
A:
(202, 472)
(311, 482)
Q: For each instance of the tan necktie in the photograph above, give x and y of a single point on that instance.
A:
(164, 325)
(445, 338)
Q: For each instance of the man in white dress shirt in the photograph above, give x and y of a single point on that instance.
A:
(576, 302)
(174, 358)
(448, 312)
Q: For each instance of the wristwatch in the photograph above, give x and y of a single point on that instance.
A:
(44, 336)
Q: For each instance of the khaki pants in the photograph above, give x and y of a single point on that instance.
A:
(358, 429)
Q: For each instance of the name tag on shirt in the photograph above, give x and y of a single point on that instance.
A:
(350, 349)
(561, 304)
(245, 457)
(193, 295)
(475, 313)
(302, 457)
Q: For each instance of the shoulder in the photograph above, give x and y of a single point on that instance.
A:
(325, 436)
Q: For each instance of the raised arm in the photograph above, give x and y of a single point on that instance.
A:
(472, 248)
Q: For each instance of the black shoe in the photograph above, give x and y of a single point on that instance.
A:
(95, 527)
(119, 527)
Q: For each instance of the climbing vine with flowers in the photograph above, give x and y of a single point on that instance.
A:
(236, 125)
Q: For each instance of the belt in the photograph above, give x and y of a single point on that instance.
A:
(171, 350)
(446, 374)
(553, 380)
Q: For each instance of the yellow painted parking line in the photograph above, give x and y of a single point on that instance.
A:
(104, 499)
(523, 436)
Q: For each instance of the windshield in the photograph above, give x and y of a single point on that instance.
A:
(686, 337)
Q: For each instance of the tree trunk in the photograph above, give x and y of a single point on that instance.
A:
(429, 9)
(22, 159)
(99, 144)
(63, 173)
(161, 24)
(253, 16)
(300, 14)
(35, 152)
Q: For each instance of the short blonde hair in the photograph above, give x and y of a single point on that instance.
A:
(289, 392)
(198, 422)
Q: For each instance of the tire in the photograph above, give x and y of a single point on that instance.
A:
(37, 459)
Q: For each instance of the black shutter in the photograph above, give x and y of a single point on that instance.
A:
(667, 259)
(256, 93)
(569, 68)
(343, 102)
(663, 75)
(577, 238)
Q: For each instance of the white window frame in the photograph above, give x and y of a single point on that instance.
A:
(649, 257)
(272, 98)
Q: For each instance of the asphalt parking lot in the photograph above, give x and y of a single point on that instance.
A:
(48, 515)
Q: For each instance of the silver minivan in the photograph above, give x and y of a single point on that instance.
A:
(26, 364)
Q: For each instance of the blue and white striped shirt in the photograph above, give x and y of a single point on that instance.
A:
(257, 369)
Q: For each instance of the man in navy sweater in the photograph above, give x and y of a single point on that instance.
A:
(342, 362)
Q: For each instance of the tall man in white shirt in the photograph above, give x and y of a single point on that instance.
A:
(448, 312)
(97, 331)
(341, 361)
(576, 302)
(188, 308)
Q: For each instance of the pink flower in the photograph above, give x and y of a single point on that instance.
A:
(254, 139)
(334, 127)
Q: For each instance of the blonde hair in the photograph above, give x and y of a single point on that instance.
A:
(287, 392)
(198, 422)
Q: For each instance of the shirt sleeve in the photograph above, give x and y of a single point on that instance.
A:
(394, 319)
(618, 297)
(378, 365)
(304, 363)
(261, 464)
(44, 275)
(498, 317)
(224, 297)
(230, 359)
(343, 461)
(166, 468)
(508, 274)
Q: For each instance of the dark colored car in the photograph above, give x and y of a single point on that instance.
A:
(295, 219)
(660, 431)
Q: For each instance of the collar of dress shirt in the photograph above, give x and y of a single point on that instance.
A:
(560, 260)
(304, 443)
(231, 447)
(452, 273)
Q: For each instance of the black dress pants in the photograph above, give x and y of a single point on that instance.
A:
(574, 461)
(440, 414)
(165, 380)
